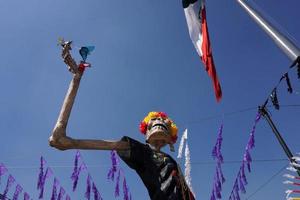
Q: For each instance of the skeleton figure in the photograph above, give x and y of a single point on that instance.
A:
(158, 171)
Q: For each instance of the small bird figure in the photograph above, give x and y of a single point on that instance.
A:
(85, 51)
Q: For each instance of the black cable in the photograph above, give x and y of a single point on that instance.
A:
(267, 182)
(239, 161)
(235, 112)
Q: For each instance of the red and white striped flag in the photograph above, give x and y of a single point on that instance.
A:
(195, 14)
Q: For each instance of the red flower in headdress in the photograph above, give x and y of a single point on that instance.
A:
(143, 127)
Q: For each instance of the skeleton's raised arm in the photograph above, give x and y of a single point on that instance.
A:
(59, 138)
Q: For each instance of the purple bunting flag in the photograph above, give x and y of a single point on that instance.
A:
(61, 193)
(76, 172)
(247, 158)
(212, 197)
(41, 174)
(68, 197)
(243, 175)
(47, 174)
(3, 170)
(17, 192)
(10, 182)
(117, 187)
(217, 190)
(54, 189)
(26, 196)
(241, 185)
(114, 163)
(88, 187)
(219, 168)
(97, 195)
(125, 189)
(219, 176)
(75, 177)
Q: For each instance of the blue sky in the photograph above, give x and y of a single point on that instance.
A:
(143, 61)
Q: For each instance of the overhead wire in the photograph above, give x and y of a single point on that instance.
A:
(193, 163)
(266, 183)
(235, 113)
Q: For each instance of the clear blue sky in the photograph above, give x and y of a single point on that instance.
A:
(143, 61)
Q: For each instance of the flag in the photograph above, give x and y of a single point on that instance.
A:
(195, 14)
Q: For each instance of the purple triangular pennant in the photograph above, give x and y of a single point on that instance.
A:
(17, 192)
(75, 172)
(117, 187)
(88, 187)
(61, 193)
(97, 195)
(10, 182)
(114, 165)
(41, 174)
(54, 189)
(241, 184)
(26, 196)
(47, 174)
(243, 175)
(75, 177)
(125, 189)
(3, 170)
(212, 197)
(68, 197)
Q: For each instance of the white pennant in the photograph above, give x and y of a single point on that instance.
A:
(289, 176)
(295, 164)
(291, 169)
(287, 182)
(297, 158)
(288, 193)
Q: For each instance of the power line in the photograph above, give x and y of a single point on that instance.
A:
(237, 112)
(239, 161)
(267, 182)
(193, 163)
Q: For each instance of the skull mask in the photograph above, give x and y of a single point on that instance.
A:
(159, 130)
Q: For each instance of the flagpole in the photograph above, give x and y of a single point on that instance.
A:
(290, 49)
(282, 41)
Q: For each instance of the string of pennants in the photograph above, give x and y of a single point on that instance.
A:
(292, 180)
(241, 179)
(219, 179)
(273, 96)
(117, 170)
(58, 192)
(10, 182)
(115, 174)
(44, 175)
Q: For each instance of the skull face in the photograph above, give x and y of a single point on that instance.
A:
(158, 131)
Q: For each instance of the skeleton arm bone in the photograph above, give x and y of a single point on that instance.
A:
(59, 138)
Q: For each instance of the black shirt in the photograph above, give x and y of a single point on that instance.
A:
(158, 171)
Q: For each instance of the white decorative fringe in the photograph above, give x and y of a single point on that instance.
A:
(188, 168)
(183, 138)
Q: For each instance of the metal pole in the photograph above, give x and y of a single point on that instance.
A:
(283, 42)
(286, 149)
(289, 48)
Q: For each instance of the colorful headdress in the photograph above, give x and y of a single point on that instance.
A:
(151, 115)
